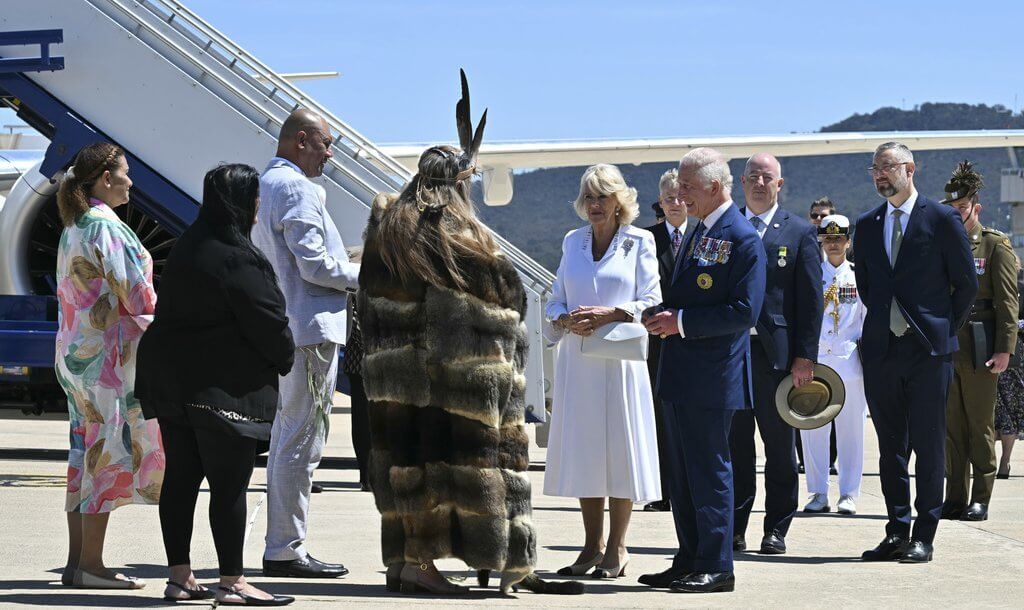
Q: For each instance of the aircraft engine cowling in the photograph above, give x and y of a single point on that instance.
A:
(30, 231)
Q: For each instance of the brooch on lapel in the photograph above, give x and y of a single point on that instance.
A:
(979, 266)
(783, 251)
(626, 247)
(704, 281)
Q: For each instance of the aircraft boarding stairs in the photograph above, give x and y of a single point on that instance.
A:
(180, 98)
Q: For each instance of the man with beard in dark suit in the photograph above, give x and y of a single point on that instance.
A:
(916, 275)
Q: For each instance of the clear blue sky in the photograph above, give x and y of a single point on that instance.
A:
(597, 69)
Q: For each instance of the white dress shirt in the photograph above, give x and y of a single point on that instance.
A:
(708, 223)
(766, 218)
(672, 229)
(906, 208)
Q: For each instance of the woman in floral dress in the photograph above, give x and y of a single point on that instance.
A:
(106, 300)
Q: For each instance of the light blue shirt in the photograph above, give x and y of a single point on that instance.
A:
(298, 236)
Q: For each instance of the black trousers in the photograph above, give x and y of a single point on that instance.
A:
(226, 462)
(781, 481)
(360, 424)
(907, 389)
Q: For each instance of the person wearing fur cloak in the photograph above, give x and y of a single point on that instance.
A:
(442, 315)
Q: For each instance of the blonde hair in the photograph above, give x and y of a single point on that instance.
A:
(605, 179)
(432, 226)
(669, 182)
(76, 187)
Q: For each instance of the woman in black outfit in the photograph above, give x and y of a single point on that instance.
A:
(208, 371)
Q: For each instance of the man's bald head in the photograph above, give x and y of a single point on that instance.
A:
(766, 161)
(300, 120)
(762, 179)
(305, 140)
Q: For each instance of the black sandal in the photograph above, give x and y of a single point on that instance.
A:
(248, 600)
(193, 594)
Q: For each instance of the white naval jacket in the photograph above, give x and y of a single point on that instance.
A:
(841, 344)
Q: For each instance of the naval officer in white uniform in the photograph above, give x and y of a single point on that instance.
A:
(841, 328)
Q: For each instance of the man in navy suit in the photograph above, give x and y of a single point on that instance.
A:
(785, 340)
(712, 301)
(916, 275)
(669, 237)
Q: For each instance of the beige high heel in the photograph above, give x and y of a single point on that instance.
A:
(612, 572)
(579, 569)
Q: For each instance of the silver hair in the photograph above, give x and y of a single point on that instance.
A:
(903, 154)
(669, 182)
(710, 165)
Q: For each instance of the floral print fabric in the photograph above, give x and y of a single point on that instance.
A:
(106, 301)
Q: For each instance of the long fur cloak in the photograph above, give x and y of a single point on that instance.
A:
(443, 373)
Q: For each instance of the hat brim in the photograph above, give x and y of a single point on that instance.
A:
(825, 374)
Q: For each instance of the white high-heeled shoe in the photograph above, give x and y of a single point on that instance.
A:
(579, 569)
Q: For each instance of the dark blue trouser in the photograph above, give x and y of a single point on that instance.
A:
(698, 446)
(907, 391)
(781, 481)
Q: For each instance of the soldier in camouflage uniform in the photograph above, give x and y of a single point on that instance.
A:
(986, 343)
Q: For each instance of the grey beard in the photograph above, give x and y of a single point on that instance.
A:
(887, 191)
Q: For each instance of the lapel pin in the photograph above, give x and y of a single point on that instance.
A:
(776, 225)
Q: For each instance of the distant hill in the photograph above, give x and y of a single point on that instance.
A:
(541, 212)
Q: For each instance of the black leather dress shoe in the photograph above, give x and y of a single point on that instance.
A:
(917, 552)
(658, 506)
(307, 567)
(952, 511)
(889, 549)
(705, 583)
(739, 543)
(315, 488)
(976, 512)
(832, 470)
(773, 544)
(662, 580)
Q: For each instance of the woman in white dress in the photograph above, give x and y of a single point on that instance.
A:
(602, 442)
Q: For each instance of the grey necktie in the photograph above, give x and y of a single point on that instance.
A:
(897, 323)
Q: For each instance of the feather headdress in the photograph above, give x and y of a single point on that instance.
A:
(965, 182)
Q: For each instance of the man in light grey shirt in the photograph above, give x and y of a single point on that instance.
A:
(302, 243)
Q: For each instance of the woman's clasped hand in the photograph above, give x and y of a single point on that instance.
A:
(585, 320)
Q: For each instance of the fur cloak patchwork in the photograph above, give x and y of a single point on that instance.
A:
(443, 373)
